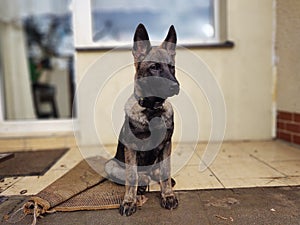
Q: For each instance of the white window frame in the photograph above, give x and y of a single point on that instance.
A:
(82, 22)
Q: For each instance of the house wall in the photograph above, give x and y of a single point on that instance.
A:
(288, 67)
(244, 74)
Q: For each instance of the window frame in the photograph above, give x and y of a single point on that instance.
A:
(82, 9)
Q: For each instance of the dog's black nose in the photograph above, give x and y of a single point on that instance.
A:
(174, 88)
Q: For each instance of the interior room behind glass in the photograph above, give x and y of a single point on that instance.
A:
(36, 48)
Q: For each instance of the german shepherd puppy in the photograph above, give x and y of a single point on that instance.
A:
(144, 146)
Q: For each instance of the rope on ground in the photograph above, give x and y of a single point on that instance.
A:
(35, 206)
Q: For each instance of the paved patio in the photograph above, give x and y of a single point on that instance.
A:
(247, 183)
(276, 206)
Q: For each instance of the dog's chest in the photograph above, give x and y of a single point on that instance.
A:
(140, 117)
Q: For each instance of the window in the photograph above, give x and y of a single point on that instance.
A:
(109, 23)
(36, 66)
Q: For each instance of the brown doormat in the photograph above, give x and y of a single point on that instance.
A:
(83, 188)
(106, 195)
(30, 163)
(79, 179)
(82, 177)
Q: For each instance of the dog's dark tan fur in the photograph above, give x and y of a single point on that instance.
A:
(144, 146)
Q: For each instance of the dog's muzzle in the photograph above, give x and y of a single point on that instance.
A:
(157, 87)
(174, 89)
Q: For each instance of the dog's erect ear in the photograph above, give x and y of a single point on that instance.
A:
(170, 42)
(141, 45)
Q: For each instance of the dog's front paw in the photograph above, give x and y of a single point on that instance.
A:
(169, 202)
(127, 208)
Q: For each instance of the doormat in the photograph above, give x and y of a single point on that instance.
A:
(106, 195)
(30, 163)
(82, 188)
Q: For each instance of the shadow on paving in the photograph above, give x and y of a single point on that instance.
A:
(232, 206)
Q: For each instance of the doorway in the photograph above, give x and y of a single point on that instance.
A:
(36, 65)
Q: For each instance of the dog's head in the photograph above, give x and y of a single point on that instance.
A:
(155, 66)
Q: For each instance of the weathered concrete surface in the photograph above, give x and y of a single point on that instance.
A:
(235, 206)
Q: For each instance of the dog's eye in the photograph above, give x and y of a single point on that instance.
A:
(155, 66)
(172, 68)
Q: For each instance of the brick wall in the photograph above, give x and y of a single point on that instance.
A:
(288, 126)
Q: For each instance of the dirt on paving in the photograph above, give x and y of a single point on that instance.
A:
(274, 206)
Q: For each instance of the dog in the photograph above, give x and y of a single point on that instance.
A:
(144, 145)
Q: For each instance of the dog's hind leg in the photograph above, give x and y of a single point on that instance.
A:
(144, 181)
(168, 198)
(115, 171)
(117, 174)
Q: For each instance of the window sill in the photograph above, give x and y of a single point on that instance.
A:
(224, 45)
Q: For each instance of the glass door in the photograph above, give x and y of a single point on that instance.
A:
(36, 66)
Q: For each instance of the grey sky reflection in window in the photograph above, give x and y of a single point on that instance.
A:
(116, 20)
